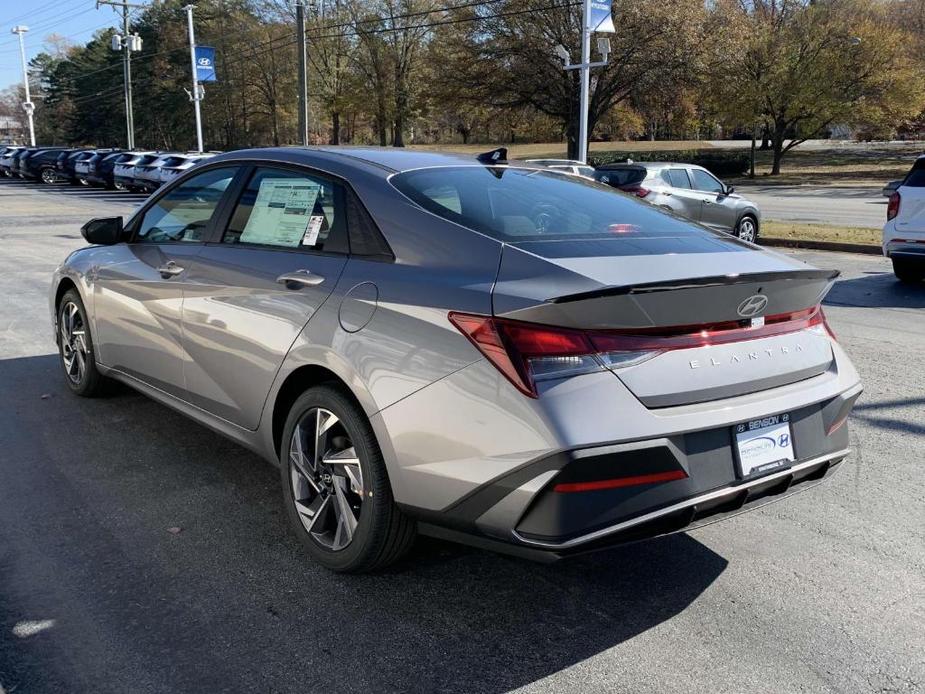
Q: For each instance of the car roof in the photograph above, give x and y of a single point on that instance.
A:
(556, 162)
(385, 159)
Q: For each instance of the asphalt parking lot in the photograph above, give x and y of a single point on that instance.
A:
(851, 206)
(823, 592)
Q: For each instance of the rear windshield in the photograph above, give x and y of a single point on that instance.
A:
(147, 159)
(519, 205)
(916, 177)
(173, 161)
(620, 177)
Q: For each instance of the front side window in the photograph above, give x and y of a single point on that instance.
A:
(705, 182)
(286, 209)
(514, 204)
(183, 214)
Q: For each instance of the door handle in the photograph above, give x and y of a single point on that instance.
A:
(707, 202)
(170, 269)
(300, 278)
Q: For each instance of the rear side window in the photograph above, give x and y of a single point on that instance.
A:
(514, 204)
(916, 177)
(288, 209)
(677, 178)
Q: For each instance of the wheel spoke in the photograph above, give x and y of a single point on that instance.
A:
(347, 518)
(321, 511)
(298, 458)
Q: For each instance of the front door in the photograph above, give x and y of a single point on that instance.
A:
(251, 292)
(717, 208)
(138, 291)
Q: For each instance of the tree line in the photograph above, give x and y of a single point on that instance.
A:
(395, 72)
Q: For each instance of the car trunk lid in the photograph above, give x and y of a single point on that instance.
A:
(701, 307)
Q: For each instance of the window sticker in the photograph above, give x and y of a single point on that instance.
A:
(282, 212)
(313, 229)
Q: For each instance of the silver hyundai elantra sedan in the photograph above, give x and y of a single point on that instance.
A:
(462, 346)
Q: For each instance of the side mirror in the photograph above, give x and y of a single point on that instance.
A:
(729, 190)
(104, 231)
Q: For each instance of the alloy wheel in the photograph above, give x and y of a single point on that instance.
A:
(73, 337)
(48, 176)
(326, 477)
(747, 230)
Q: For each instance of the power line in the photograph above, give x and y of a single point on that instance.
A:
(51, 5)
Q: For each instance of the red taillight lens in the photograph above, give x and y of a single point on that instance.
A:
(528, 352)
(892, 208)
(637, 190)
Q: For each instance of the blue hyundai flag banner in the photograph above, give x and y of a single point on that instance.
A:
(601, 16)
(205, 63)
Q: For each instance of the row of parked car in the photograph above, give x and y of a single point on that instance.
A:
(140, 171)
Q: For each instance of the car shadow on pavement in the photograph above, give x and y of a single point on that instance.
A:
(876, 290)
(902, 416)
(160, 552)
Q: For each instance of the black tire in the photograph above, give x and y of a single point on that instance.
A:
(383, 533)
(89, 383)
(747, 229)
(909, 271)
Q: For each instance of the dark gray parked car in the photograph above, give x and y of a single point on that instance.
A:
(491, 353)
(688, 190)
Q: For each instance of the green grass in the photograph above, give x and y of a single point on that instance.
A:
(798, 231)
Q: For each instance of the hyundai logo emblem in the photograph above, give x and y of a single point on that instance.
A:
(752, 306)
(205, 62)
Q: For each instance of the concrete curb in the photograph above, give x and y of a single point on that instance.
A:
(866, 249)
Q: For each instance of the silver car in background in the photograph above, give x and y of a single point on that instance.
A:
(688, 190)
(480, 351)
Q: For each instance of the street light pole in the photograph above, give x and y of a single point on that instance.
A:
(603, 45)
(27, 105)
(196, 96)
(585, 81)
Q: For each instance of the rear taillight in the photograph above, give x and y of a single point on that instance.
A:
(526, 353)
(638, 191)
(892, 208)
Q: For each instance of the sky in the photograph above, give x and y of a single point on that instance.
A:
(74, 19)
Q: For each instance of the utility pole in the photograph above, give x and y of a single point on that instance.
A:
(303, 76)
(27, 105)
(128, 44)
(196, 95)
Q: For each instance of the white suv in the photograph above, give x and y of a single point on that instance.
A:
(904, 231)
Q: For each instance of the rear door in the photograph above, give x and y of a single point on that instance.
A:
(138, 290)
(685, 200)
(251, 291)
(911, 217)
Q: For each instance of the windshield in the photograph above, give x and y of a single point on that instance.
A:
(515, 205)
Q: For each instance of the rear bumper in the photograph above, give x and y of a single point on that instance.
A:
(522, 512)
(898, 243)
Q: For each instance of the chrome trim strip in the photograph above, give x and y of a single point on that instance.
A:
(709, 496)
